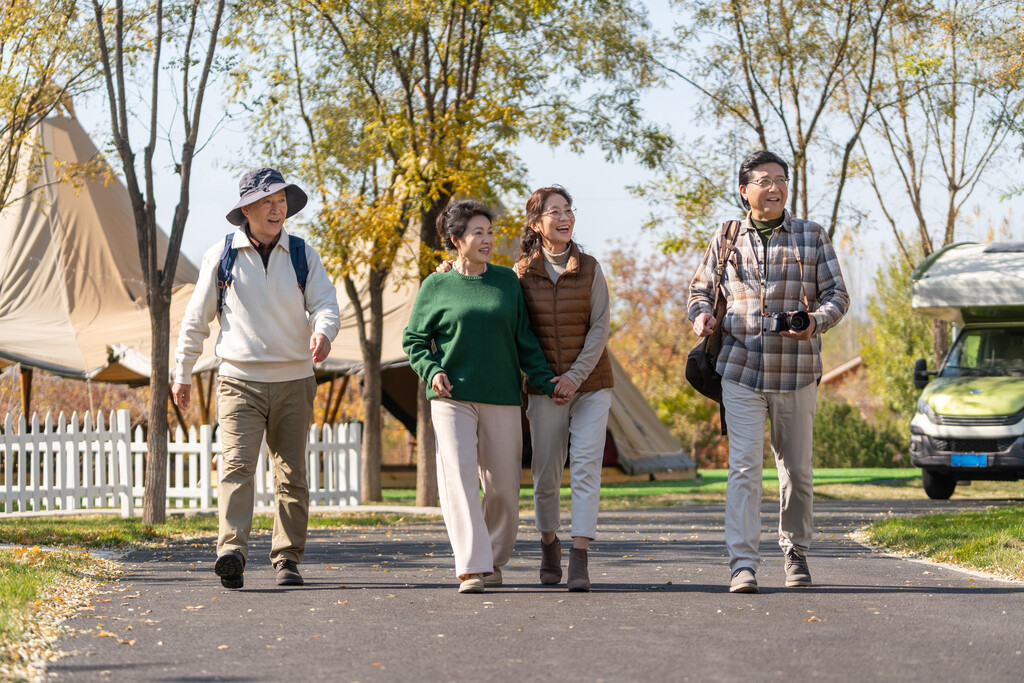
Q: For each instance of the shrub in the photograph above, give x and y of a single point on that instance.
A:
(842, 438)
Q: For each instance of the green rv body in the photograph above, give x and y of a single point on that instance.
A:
(970, 418)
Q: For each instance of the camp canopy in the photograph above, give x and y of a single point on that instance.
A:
(72, 298)
(970, 282)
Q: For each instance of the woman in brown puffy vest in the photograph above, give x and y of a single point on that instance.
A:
(567, 297)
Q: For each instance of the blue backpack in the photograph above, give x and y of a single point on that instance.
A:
(296, 247)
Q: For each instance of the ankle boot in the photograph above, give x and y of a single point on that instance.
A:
(551, 562)
(579, 579)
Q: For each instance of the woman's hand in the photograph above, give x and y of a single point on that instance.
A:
(445, 266)
(441, 386)
(565, 389)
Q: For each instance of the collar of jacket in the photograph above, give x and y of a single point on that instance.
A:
(536, 261)
(241, 240)
(747, 225)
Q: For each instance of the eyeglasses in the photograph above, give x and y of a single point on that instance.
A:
(557, 215)
(765, 183)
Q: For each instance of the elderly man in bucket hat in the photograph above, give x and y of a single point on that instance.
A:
(272, 330)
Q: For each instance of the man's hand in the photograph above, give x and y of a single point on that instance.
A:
(441, 386)
(805, 334)
(182, 395)
(565, 389)
(704, 325)
(319, 346)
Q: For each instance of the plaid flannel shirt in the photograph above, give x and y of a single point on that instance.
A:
(751, 356)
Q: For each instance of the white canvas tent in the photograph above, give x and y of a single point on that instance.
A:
(967, 281)
(72, 300)
(643, 443)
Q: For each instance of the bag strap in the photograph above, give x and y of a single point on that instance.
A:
(730, 230)
(224, 276)
(296, 250)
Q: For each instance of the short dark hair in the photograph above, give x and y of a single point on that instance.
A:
(454, 220)
(755, 159)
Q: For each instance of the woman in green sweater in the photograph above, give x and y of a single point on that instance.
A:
(468, 338)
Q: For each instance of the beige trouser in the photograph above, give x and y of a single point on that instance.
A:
(792, 425)
(284, 411)
(578, 429)
(478, 444)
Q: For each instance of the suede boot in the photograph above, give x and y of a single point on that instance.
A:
(579, 578)
(551, 562)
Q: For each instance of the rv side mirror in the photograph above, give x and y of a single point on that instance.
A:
(921, 374)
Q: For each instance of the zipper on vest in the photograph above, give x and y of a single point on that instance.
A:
(558, 338)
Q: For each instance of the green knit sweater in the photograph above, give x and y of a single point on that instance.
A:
(480, 329)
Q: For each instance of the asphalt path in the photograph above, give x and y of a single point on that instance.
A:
(381, 604)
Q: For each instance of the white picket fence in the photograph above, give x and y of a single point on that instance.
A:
(99, 465)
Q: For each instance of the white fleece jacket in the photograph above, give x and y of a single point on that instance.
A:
(266, 320)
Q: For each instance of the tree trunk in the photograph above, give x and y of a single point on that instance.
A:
(373, 423)
(372, 428)
(154, 500)
(940, 340)
(426, 462)
(426, 453)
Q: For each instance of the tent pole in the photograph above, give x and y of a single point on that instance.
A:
(203, 410)
(327, 406)
(208, 415)
(26, 391)
(177, 414)
(333, 415)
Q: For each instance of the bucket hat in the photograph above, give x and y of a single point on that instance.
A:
(263, 182)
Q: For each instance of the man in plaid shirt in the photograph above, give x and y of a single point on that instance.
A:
(769, 368)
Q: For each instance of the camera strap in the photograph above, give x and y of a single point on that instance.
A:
(800, 266)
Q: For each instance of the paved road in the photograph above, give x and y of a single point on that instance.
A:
(381, 605)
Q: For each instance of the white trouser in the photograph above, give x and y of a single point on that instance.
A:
(792, 425)
(478, 444)
(577, 428)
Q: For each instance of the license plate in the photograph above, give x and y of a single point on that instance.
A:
(969, 460)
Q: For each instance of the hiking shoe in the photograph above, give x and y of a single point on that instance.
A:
(473, 583)
(797, 573)
(288, 573)
(743, 581)
(230, 567)
(579, 578)
(494, 578)
(551, 562)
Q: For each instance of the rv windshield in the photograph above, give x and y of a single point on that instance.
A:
(987, 352)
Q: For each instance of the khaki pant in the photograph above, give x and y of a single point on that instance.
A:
(792, 427)
(478, 444)
(577, 429)
(284, 411)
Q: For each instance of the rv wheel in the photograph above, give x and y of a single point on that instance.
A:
(938, 485)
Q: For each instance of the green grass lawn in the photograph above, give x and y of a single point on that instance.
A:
(38, 589)
(709, 487)
(114, 533)
(988, 540)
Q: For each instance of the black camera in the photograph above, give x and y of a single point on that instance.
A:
(780, 322)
